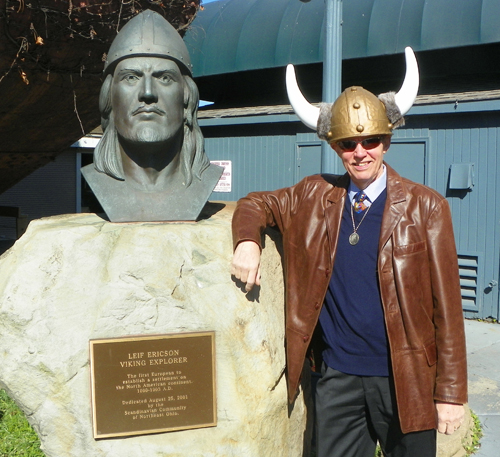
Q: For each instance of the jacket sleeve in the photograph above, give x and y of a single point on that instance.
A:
(258, 210)
(451, 374)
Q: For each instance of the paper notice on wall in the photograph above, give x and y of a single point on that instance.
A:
(224, 184)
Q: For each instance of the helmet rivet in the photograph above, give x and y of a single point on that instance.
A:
(356, 105)
(354, 89)
(390, 125)
(329, 134)
(360, 128)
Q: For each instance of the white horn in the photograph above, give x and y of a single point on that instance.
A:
(306, 112)
(408, 92)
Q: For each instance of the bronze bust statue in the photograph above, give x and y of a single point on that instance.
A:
(150, 164)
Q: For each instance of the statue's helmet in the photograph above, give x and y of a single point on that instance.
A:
(357, 112)
(148, 34)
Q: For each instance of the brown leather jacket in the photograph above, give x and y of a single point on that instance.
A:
(418, 276)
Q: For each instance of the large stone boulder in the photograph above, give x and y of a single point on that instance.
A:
(74, 278)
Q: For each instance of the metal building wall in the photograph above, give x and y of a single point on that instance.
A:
(258, 163)
(425, 148)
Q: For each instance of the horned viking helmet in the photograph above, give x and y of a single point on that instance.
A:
(357, 112)
(148, 34)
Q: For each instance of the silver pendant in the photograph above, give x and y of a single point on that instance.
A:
(353, 238)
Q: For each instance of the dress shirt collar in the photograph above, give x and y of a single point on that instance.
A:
(372, 191)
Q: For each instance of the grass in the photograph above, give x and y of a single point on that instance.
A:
(472, 446)
(17, 438)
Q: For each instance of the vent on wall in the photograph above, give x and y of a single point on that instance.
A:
(468, 269)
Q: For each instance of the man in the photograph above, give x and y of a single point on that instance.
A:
(370, 258)
(150, 164)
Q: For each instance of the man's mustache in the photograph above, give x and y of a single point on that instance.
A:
(148, 109)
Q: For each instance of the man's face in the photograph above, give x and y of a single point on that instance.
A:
(363, 157)
(147, 98)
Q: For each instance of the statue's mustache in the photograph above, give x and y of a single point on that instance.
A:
(148, 109)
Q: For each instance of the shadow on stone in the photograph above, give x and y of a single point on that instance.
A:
(210, 209)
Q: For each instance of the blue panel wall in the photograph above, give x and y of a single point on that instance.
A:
(258, 163)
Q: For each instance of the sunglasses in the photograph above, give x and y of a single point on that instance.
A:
(367, 143)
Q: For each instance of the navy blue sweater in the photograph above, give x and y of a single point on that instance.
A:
(352, 318)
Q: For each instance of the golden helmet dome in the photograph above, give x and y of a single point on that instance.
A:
(358, 112)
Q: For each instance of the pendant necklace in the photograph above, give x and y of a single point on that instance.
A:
(354, 237)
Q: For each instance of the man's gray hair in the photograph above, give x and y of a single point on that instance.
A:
(107, 158)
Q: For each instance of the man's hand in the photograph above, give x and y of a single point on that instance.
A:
(450, 416)
(246, 264)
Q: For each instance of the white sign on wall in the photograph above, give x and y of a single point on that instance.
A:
(224, 184)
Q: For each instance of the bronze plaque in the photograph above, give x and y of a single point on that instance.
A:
(152, 384)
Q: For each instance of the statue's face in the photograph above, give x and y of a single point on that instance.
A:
(147, 98)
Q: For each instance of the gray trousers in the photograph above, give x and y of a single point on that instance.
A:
(354, 412)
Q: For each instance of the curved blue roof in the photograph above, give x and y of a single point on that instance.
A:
(238, 35)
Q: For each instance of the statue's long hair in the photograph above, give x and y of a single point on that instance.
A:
(107, 157)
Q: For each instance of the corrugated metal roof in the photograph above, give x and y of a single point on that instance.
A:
(475, 96)
(238, 35)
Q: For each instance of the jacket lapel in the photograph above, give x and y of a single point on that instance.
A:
(334, 206)
(394, 205)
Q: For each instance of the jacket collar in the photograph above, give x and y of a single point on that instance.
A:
(395, 188)
(339, 187)
(394, 205)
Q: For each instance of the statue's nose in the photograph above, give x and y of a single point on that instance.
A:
(148, 90)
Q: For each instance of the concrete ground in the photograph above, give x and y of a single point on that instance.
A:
(483, 352)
